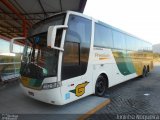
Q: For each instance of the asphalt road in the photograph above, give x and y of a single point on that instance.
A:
(138, 98)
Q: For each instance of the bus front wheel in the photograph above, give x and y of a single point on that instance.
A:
(101, 86)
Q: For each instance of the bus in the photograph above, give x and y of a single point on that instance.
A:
(70, 55)
(9, 62)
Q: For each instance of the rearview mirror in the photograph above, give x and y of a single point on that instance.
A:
(52, 34)
(15, 45)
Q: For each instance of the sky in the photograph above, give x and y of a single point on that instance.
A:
(138, 17)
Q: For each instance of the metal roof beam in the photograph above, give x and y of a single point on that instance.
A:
(5, 30)
(6, 34)
(45, 14)
(6, 14)
(4, 19)
(21, 9)
(4, 37)
(5, 27)
(8, 31)
(8, 23)
(10, 27)
(11, 33)
(14, 10)
(36, 13)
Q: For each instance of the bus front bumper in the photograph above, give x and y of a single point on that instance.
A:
(51, 96)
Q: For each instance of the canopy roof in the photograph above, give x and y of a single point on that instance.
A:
(17, 16)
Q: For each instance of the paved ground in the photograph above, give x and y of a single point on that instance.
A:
(140, 96)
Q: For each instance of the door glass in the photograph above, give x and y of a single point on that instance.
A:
(76, 47)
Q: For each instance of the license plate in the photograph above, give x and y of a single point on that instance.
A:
(31, 93)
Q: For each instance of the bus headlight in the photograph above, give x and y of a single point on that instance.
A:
(46, 86)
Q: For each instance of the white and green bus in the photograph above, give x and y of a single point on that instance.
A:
(69, 56)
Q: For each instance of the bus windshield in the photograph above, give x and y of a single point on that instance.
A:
(38, 60)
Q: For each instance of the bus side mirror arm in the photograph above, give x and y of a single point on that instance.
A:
(52, 31)
(12, 41)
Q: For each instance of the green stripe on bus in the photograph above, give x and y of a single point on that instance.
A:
(124, 63)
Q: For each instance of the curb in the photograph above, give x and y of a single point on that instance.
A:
(94, 110)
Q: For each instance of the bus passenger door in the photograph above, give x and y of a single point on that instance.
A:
(76, 79)
(74, 76)
(71, 74)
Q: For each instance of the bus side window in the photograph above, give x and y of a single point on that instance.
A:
(103, 36)
(119, 40)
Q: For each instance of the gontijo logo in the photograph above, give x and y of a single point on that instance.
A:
(102, 56)
(80, 89)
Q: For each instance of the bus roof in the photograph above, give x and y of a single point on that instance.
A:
(88, 17)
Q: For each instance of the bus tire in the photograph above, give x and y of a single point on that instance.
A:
(100, 87)
(144, 72)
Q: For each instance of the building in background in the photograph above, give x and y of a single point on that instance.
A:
(156, 48)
